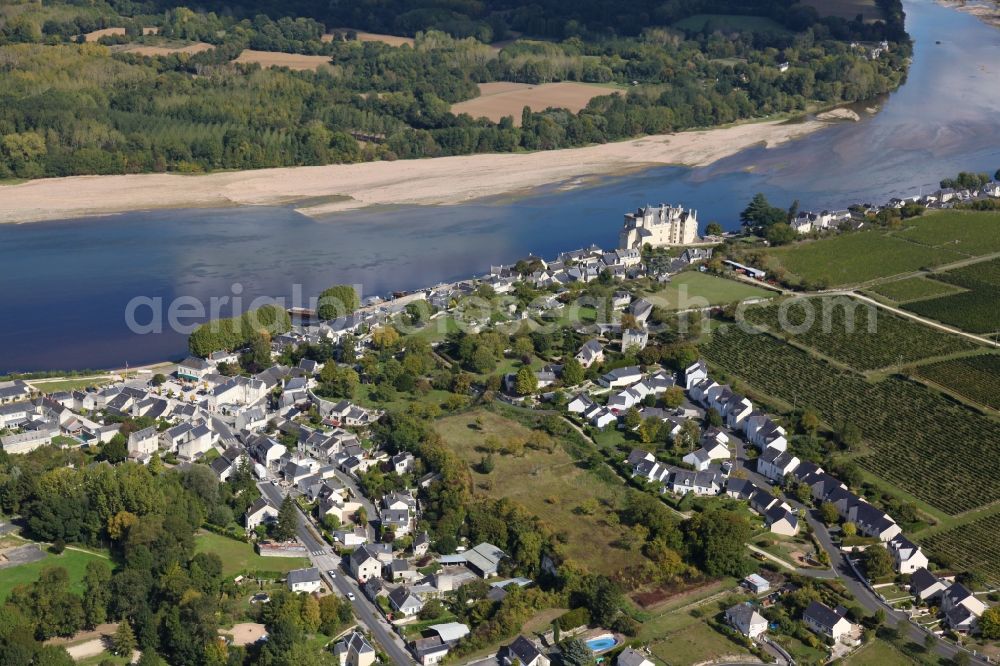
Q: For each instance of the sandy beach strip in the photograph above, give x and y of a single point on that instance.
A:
(442, 180)
(987, 11)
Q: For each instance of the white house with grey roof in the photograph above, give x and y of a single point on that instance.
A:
(305, 580)
(143, 442)
(521, 651)
(746, 620)
(354, 650)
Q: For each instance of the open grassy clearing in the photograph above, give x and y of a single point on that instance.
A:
(913, 289)
(549, 484)
(678, 637)
(860, 335)
(914, 433)
(296, 61)
(858, 257)
(971, 546)
(974, 377)
(239, 557)
(729, 23)
(501, 98)
(693, 289)
(73, 561)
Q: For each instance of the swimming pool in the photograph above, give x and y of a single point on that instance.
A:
(602, 643)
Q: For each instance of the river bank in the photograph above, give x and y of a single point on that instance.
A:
(987, 11)
(326, 189)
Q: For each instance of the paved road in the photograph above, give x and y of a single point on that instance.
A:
(842, 569)
(324, 558)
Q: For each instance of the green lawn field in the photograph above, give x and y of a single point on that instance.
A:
(73, 561)
(693, 289)
(238, 556)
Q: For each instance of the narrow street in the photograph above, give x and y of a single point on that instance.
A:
(324, 558)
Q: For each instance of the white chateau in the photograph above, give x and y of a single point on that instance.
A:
(665, 225)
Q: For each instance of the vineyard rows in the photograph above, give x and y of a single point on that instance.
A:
(976, 310)
(972, 546)
(939, 451)
(859, 335)
(975, 377)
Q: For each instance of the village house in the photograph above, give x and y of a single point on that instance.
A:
(305, 580)
(354, 650)
(143, 442)
(925, 586)
(521, 652)
(634, 339)
(621, 377)
(194, 369)
(403, 602)
(590, 353)
(776, 464)
(906, 555)
(260, 512)
(826, 622)
(746, 620)
(364, 563)
(961, 608)
(632, 657)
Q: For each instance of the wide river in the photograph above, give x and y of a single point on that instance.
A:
(66, 284)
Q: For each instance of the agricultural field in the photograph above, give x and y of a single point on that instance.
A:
(974, 377)
(976, 310)
(295, 61)
(860, 335)
(971, 546)
(502, 98)
(239, 557)
(362, 36)
(549, 484)
(857, 257)
(846, 9)
(913, 289)
(165, 48)
(914, 434)
(972, 233)
(693, 289)
(729, 23)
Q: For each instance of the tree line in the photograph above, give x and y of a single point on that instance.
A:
(199, 112)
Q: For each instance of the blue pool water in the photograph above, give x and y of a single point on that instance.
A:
(601, 643)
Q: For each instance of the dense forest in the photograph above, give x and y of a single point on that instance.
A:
(68, 107)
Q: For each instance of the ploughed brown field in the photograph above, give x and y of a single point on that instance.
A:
(391, 40)
(277, 59)
(502, 98)
(108, 32)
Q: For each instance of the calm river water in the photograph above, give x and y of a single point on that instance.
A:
(66, 283)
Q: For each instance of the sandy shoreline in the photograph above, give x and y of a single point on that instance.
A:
(443, 180)
(987, 11)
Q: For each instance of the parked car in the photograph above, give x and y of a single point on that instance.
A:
(350, 595)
